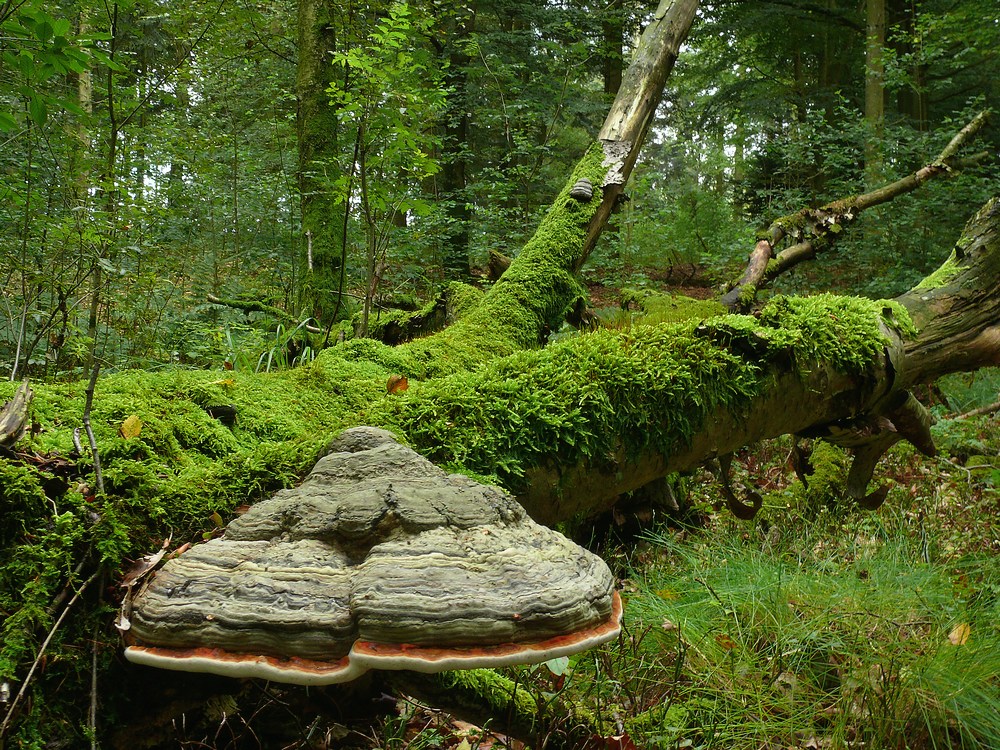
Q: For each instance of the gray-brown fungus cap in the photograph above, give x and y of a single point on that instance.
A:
(378, 560)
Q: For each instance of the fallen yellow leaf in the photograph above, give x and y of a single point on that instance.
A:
(131, 427)
(959, 634)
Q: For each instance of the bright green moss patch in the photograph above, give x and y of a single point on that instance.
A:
(499, 691)
(463, 299)
(839, 329)
(532, 295)
(939, 278)
(674, 308)
(825, 486)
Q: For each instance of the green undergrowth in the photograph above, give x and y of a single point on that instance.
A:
(856, 641)
(814, 628)
(644, 307)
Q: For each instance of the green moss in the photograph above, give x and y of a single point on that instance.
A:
(826, 484)
(532, 296)
(497, 690)
(748, 293)
(675, 308)
(833, 328)
(646, 387)
(462, 299)
(380, 319)
(942, 276)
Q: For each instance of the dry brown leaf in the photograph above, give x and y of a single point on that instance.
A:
(959, 634)
(143, 565)
(397, 384)
(725, 641)
(131, 427)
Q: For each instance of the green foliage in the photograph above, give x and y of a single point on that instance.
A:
(391, 93)
(38, 47)
(967, 391)
(677, 220)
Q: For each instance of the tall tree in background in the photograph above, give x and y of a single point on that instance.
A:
(875, 17)
(324, 255)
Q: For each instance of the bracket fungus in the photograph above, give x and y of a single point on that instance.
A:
(378, 560)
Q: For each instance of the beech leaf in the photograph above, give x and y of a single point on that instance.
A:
(143, 565)
(959, 634)
(397, 384)
(131, 427)
(558, 666)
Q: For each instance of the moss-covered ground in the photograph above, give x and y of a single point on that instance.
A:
(172, 468)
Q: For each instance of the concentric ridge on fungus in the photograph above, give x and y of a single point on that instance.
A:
(378, 560)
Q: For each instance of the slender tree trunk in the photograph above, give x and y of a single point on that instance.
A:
(613, 47)
(322, 256)
(874, 88)
(182, 98)
(454, 160)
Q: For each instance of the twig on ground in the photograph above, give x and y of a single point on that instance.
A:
(90, 432)
(41, 652)
(982, 410)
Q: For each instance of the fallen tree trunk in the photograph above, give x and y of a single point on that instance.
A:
(571, 427)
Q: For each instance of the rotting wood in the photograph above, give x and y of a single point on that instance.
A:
(631, 113)
(14, 416)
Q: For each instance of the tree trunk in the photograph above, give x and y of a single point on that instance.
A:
(613, 48)
(874, 88)
(573, 426)
(455, 155)
(322, 257)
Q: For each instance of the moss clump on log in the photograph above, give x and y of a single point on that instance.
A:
(650, 387)
(532, 296)
(944, 274)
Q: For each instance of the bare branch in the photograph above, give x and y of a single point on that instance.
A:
(816, 229)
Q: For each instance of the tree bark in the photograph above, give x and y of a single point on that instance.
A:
(632, 111)
(322, 257)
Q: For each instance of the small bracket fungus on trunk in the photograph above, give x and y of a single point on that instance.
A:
(378, 560)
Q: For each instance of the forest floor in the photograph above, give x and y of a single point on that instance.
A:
(817, 625)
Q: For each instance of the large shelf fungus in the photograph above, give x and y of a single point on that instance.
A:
(378, 560)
